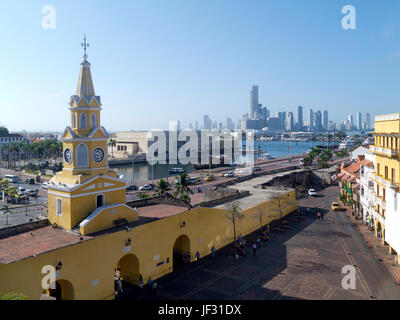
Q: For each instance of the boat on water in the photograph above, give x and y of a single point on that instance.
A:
(346, 144)
(177, 170)
(264, 156)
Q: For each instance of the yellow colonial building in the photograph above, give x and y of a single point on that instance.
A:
(91, 230)
(386, 177)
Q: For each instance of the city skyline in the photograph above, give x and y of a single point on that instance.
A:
(181, 66)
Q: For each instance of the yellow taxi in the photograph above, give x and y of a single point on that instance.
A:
(209, 177)
(335, 206)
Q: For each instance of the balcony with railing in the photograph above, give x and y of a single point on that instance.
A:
(379, 200)
(384, 151)
(385, 182)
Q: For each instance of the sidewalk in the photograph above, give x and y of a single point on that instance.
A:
(380, 251)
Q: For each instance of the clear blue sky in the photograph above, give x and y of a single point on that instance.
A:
(154, 61)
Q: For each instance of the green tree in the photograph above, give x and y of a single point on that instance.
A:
(6, 211)
(162, 187)
(112, 143)
(143, 195)
(13, 296)
(280, 204)
(182, 186)
(234, 214)
(3, 131)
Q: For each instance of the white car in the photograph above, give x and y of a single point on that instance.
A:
(312, 192)
(145, 187)
(229, 174)
(44, 185)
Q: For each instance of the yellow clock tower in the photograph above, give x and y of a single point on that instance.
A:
(86, 193)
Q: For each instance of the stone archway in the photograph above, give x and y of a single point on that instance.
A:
(129, 269)
(64, 291)
(181, 246)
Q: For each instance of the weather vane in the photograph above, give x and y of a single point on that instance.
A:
(84, 45)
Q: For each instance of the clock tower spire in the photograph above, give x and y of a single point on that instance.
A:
(86, 183)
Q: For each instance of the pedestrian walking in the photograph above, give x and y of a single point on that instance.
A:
(213, 252)
(118, 281)
(140, 281)
(254, 246)
(187, 257)
(198, 256)
(319, 215)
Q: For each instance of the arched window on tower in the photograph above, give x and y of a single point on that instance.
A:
(82, 156)
(93, 121)
(82, 121)
(73, 120)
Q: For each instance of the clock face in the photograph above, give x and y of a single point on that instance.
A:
(98, 155)
(68, 155)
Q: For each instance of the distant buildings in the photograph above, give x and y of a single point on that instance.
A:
(253, 102)
(260, 118)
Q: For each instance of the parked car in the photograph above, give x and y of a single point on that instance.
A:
(31, 193)
(256, 168)
(45, 185)
(131, 187)
(335, 206)
(312, 192)
(301, 162)
(30, 181)
(21, 191)
(146, 187)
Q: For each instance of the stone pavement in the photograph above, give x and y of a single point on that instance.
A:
(377, 248)
(303, 262)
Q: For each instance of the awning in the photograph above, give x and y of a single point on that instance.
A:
(339, 175)
(343, 178)
(351, 179)
(356, 186)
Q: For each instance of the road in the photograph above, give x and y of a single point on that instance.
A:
(266, 165)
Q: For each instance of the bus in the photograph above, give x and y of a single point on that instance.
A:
(11, 178)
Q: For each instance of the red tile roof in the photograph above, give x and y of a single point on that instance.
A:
(44, 239)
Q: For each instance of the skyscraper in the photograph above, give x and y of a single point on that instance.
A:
(311, 124)
(318, 121)
(368, 121)
(289, 122)
(300, 118)
(206, 122)
(359, 121)
(325, 120)
(350, 122)
(282, 120)
(253, 102)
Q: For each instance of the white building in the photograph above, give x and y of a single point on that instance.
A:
(367, 188)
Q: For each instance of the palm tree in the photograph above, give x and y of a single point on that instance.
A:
(162, 187)
(112, 143)
(182, 186)
(6, 211)
(142, 195)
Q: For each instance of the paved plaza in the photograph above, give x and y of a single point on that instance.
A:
(303, 262)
